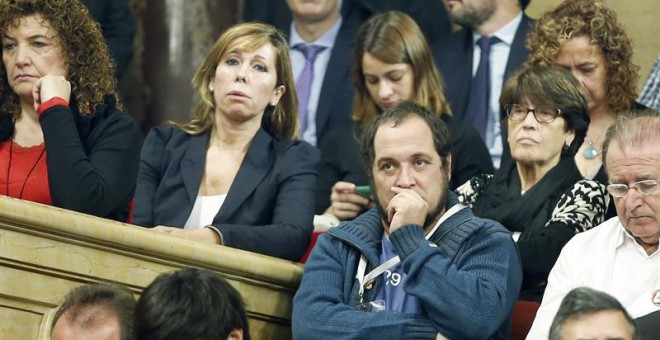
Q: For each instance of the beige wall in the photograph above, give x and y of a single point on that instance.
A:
(640, 17)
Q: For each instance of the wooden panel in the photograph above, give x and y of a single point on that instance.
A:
(45, 252)
(20, 319)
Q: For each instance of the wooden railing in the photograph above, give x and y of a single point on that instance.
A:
(46, 251)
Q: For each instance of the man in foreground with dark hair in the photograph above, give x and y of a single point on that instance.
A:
(98, 311)
(419, 265)
(587, 313)
(190, 304)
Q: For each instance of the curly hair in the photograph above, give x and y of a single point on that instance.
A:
(281, 121)
(592, 19)
(91, 70)
(393, 37)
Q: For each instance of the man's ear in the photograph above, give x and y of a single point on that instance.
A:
(236, 334)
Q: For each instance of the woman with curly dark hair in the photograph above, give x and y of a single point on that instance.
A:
(63, 139)
(585, 37)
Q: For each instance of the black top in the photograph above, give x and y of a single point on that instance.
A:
(92, 159)
(547, 215)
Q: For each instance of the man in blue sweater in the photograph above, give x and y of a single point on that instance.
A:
(418, 266)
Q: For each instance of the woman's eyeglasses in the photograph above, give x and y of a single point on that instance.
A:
(518, 113)
(646, 187)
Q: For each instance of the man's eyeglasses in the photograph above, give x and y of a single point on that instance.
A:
(518, 113)
(646, 187)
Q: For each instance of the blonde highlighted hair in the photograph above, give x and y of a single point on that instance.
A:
(281, 121)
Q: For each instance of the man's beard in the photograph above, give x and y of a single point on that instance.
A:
(431, 217)
(473, 17)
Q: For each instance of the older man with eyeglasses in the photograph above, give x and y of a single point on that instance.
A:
(620, 256)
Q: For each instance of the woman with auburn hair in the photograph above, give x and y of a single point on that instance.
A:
(391, 63)
(234, 175)
(585, 37)
(64, 140)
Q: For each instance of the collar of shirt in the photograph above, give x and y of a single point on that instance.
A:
(506, 33)
(625, 239)
(327, 39)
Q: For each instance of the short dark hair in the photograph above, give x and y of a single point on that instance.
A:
(394, 116)
(189, 304)
(553, 87)
(583, 301)
(80, 303)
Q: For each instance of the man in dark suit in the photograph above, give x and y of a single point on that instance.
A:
(459, 57)
(118, 27)
(327, 101)
(430, 15)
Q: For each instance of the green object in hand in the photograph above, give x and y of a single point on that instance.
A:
(363, 190)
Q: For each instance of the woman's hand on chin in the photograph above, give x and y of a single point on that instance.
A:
(48, 87)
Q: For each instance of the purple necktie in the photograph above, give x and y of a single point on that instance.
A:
(479, 102)
(305, 79)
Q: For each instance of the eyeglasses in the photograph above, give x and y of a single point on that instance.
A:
(518, 113)
(646, 187)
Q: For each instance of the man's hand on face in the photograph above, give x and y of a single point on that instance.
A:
(406, 207)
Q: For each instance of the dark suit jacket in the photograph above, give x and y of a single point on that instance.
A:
(269, 208)
(430, 15)
(118, 27)
(454, 59)
(336, 98)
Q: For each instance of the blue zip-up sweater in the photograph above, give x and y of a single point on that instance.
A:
(469, 295)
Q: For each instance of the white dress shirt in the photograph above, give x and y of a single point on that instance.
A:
(605, 258)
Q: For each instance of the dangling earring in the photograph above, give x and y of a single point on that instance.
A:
(211, 88)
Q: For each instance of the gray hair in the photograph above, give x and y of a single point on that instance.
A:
(632, 130)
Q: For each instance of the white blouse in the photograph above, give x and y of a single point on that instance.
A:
(204, 210)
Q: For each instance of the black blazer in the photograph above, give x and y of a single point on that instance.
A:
(270, 205)
(454, 59)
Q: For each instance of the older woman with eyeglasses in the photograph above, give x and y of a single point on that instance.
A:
(540, 194)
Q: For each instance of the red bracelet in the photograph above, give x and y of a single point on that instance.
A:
(52, 102)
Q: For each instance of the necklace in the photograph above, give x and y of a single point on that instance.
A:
(11, 152)
(590, 151)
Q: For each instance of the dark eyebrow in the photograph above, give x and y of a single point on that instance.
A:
(32, 37)
(420, 154)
